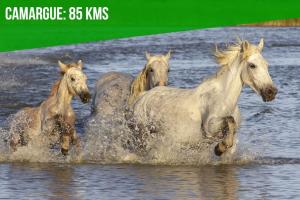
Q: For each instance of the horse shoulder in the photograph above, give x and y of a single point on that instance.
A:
(48, 107)
(69, 116)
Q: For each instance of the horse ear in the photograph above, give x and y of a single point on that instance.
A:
(261, 44)
(148, 55)
(63, 67)
(168, 55)
(244, 46)
(80, 64)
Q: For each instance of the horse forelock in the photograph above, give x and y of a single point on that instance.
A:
(157, 58)
(69, 66)
(225, 57)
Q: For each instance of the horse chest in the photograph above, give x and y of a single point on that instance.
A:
(55, 114)
(221, 109)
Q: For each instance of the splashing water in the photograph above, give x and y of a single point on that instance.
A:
(114, 140)
(266, 157)
(37, 149)
(27, 76)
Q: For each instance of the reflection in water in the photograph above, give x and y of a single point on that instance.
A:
(93, 181)
(207, 182)
(35, 180)
(219, 182)
(62, 181)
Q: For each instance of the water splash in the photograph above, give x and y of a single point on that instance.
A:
(112, 142)
(106, 138)
(116, 140)
(38, 148)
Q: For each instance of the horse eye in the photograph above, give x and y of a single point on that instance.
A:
(252, 66)
(151, 70)
(72, 79)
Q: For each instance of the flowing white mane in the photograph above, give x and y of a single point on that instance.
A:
(225, 57)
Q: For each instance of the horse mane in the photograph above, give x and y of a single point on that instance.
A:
(54, 88)
(225, 57)
(138, 85)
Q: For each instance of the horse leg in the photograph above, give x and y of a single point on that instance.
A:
(65, 144)
(75, 140)
(66, 131)
(14, 141)
(229, 130)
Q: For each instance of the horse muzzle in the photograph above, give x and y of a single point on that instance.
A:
(64, 152)
(269, 93)
(85, 97)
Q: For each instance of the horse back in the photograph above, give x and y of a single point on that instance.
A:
(111, 92)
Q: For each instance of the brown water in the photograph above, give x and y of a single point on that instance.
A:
(267, 160)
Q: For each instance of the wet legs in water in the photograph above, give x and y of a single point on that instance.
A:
(229, 131)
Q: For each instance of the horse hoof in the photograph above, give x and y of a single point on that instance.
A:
(64, 151)
(218, 150)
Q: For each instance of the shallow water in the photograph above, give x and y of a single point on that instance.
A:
(267, 160)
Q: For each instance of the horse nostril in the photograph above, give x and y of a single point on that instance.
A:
(85, 97)
(64, 151)
(269, 92)
(88, 96)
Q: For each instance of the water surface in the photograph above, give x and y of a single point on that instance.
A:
(267, 161)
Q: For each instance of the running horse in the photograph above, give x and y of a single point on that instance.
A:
(54, 117)
(210, 110)
(115, 91)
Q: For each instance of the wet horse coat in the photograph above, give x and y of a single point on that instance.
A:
(54, 117)
(209, 111)
(115, 91)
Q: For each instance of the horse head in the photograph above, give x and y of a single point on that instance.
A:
(157, 69)
(255, 71)
(76, 80)
(155, 73)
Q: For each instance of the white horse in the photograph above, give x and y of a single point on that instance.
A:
(54, 117)
(115, 90)
(209, 110)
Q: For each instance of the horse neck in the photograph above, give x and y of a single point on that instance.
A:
(63, 96)
(228, 83)
(231, 82)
